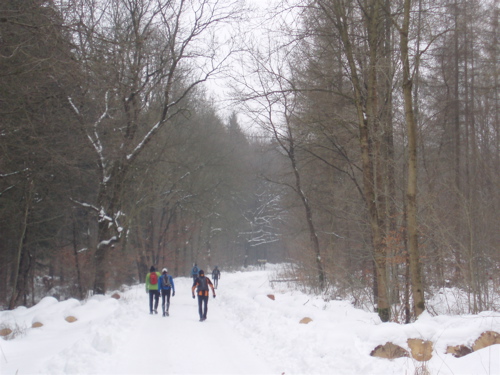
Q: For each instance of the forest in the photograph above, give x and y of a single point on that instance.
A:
(358, 143)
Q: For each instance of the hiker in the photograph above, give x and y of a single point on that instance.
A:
(202, 283)
(194, 272)
(152, 287)
(216, 276)
(166, 285)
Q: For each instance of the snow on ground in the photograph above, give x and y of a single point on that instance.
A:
(245, 333)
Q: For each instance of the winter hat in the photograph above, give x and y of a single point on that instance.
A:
(201, 273)
(164, 270)
(152, 269)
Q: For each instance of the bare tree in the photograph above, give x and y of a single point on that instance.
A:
(350, 20)
(142, 59)
(414, 255)
(272, 97)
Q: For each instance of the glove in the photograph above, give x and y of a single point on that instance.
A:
(193, 296)
(173, 294)
(215, 296)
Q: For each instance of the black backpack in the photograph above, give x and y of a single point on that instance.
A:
(166, 282)
(202, 283)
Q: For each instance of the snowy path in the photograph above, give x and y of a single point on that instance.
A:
(192, 347)
(246, 333)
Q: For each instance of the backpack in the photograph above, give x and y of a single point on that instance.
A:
(153, 278)
(165, 282)
(203, 284)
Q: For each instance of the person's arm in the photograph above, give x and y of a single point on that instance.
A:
(173, 286)
(211, 286)
(195, 284)
(147, 282)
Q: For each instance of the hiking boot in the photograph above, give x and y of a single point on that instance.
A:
(164, 314)
(167, 313)
(151, 312)
(156, 312)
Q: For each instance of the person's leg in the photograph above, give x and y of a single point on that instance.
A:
(151, 295)
(157, 299)
(205, 307)
(200, 304)
(163, 292)
(167, 292)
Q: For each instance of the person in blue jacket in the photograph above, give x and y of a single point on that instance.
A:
(194, 272)
(216, 276)
(166, 285)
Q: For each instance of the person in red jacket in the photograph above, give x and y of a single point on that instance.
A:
(202, 283)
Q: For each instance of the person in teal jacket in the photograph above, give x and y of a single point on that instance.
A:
(152, 279)
(194, 272)
(166, 285)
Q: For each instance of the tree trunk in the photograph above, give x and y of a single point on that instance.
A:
(140, 255)
(415, 268)
(290, 149)
(388, 153)
(101, 258)
(77, 262)
(22, 239)
(369, 184)
(108, 232)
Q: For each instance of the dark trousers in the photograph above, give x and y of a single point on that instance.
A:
(165, 293)
(203, 306)
(156, 295)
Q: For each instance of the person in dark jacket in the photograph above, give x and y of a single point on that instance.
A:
(166, 285)
(216, 276)
(152, 288)
(202, 283)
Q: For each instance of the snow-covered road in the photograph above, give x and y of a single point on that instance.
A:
(180, 344)
(245, 333)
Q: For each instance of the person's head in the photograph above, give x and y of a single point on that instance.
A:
(152, 269)
(164, 270)
(201, 273)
